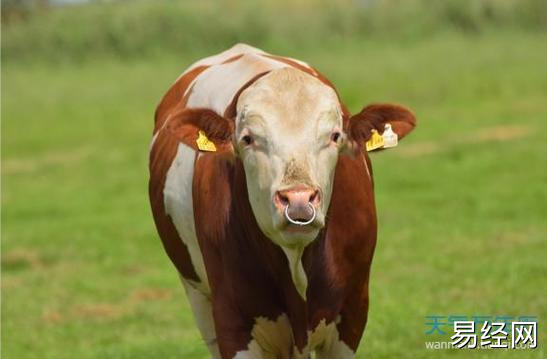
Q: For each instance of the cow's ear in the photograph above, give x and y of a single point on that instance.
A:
(201, 129)
(372, 120)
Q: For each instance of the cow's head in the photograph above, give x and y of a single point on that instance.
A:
(289, 132)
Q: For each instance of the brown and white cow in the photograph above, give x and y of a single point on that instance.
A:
(262, 194)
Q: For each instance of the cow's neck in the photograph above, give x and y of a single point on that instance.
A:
(267, 250)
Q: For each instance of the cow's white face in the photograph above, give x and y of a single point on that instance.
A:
(288, 135)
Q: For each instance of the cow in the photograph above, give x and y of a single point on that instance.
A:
(261, 190)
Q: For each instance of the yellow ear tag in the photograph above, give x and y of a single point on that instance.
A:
(204, 144)
(375, 141)
(386, 140)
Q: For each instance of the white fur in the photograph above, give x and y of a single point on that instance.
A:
(215, 87)
(153, 141)
(366, 166)
(203, 315)
(271, 339)
(274, 339)
(179, 205)
(235, 50)
(294, 257)
(326, 340)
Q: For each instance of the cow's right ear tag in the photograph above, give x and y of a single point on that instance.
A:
(376, 141)
(204, 144)
(385, 140)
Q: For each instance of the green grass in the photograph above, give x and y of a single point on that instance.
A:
(461, 203)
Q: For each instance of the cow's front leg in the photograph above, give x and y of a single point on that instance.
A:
(203, 315)
(344, 341)
(251, 337)
(328, 343)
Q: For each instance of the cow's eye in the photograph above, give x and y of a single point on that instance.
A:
(247, 140)
(335, 137)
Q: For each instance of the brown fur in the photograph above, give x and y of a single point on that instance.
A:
(375, 116)
(187, 120)
(173, 96)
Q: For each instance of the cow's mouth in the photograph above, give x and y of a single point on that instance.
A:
(292, 228)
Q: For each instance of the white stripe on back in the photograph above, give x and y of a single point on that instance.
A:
(235, 50)
(215, 87)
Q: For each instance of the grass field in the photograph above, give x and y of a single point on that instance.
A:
(462, 202)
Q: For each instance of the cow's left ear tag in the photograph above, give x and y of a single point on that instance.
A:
(204, 144)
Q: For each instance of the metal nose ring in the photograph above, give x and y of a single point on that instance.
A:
(299, 223)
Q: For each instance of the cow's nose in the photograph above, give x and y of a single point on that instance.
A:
(298, 203)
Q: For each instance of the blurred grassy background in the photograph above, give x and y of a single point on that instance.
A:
(461, 202)
(135, 29)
